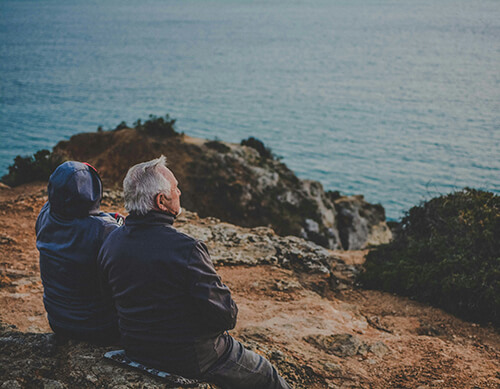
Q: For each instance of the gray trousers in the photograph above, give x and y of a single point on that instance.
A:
(241, 368)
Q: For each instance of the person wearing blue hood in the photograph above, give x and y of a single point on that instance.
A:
(70, 230)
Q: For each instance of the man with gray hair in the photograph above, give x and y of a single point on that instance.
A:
(174, 311)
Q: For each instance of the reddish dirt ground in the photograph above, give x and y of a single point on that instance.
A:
(427, 348)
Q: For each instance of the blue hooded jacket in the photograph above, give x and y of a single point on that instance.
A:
(70, 230)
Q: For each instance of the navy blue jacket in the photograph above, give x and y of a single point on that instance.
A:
(172, 306)
(69, 233)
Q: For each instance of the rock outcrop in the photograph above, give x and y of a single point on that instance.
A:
(34, 360)
(238, 184)
(232, 245)
(361, 224)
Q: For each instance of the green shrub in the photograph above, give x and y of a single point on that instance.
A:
(217, 146)
(27, 169)
(447, 253)
(119, 127)
(256, 144)
(158, 126)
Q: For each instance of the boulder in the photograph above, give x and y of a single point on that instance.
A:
(346, 345)
(361, 224)
(341, 345)
(233, 245)
(33, 360)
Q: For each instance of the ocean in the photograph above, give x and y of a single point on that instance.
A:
(396, 100)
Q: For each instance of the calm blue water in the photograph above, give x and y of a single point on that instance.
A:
(398, 100)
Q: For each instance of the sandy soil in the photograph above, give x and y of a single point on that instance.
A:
(426, 347)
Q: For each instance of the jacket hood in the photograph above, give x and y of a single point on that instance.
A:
(75, 190)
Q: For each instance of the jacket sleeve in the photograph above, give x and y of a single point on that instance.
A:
(109, 224)
(211, 297)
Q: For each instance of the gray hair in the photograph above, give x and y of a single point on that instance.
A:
(142, 183)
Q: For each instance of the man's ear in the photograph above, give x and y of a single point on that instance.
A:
(160, 201)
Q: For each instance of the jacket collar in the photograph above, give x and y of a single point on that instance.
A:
(150, 218)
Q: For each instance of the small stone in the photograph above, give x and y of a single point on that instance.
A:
(51, 384)
(103, 369)
(285, 286)
(341, 345)
(379, 349)
(311, 225)
(277, 356)
(5, 239)
(92, 378)
(333, 368)
(11, 384)
(363, 349)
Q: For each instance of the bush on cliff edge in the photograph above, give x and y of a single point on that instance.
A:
(256, 144)
(155, 126)
(39, 166)
(446, 253)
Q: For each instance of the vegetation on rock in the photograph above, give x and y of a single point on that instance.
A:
(32, 168)
(217, 146)
(256, 144)
(446, 253)
(157, 126)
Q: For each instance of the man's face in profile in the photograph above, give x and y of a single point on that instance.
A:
(172, 203)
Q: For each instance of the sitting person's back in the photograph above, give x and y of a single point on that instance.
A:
(173, 308)
(70, 230)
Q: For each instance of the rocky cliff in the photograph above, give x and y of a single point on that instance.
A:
(241, 184)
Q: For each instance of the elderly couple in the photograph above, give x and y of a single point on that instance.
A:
(143, 283)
